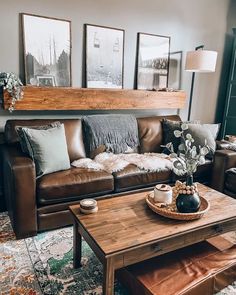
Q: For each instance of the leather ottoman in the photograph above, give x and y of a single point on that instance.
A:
(200, 269)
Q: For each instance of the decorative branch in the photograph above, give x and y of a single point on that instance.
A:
(13, 85)
(187, 158)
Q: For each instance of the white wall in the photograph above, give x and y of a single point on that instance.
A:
(189, 23)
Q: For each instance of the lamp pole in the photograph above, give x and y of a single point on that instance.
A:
(192, 85)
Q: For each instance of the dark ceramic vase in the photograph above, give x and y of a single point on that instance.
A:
(188, 203)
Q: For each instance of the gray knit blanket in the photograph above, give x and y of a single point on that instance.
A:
(116, 132)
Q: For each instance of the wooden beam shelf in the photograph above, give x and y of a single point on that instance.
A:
(63, 98)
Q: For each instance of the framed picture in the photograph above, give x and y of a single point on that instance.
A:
(46, 81)
(175, 70)
(47, 50)
(153, 61)
(104, 57)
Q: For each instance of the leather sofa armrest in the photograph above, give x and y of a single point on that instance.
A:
(222, 144)
(223, 160)
(20, 190)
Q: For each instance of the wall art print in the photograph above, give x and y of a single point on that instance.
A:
(104, 57)
(175, 70)
(47, 50)
(153, 61)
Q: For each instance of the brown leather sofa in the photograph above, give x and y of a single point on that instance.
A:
(224, 172)
(41, 204)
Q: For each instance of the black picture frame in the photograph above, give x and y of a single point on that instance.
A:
(153, 55)
(104, 57)
(47, 50)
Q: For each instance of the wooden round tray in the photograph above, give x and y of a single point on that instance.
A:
(170, 211)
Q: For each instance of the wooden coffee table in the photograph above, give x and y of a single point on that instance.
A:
(125, 231)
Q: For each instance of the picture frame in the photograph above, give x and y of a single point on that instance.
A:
(47, 50)
(153, 55)
(175, 70)
(46, 81)
(104, 57)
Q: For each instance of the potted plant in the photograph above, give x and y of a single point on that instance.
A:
(13, 85)
(185, 162)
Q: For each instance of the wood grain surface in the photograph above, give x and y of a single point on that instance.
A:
(63, 98)
(125, 222)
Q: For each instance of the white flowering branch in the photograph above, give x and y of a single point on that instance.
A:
(187, 159)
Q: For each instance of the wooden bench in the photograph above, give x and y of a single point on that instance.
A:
(200, 269)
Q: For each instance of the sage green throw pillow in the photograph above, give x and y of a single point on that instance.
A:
(48, 148)
(26, 148)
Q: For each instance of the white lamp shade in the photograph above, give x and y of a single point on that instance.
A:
(201, 61)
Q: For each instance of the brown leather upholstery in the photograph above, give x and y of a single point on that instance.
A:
(131, 177)
(200, 269)
(72, 184)
(223, 160)
(230, 180)
(19, 189)
(57, 219)
(150, 132)
(73, 131)
(221, 144)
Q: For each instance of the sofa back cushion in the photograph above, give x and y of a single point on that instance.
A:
(73, 131)
(48, 149)
(151, 134)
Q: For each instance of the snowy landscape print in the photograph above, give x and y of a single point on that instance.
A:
(104, 57)
(153, 61)
(47, 48)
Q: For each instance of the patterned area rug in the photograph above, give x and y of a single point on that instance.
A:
(43, 265)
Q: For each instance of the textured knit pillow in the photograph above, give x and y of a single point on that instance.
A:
(26, 148)
(49, 149)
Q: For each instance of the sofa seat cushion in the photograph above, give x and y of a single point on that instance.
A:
(73, 184)
(230, 180)
(131, 177)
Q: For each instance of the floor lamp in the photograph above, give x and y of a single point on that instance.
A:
(199, 61)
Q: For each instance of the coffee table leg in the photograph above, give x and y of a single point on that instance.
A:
(108, 277)
(77, 246)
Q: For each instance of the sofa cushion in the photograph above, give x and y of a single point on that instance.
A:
(131, 177)
(72, 184)
(201, 134)
(230, 180)
(169, 126)
(48, 149)
(151, 134)
(26, 148)
(73, 131)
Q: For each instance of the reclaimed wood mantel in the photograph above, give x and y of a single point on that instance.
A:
(63, 98)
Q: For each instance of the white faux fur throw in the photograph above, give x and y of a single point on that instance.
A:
(110, 162)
